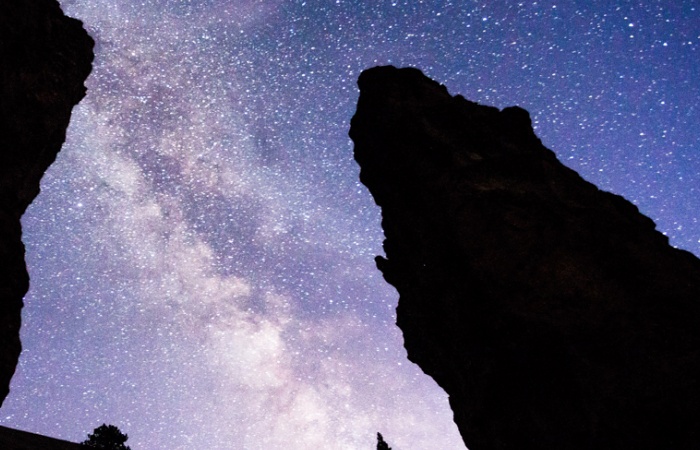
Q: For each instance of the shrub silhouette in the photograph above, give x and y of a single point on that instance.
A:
(106, 437)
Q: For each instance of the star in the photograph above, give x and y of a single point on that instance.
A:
(201, 253)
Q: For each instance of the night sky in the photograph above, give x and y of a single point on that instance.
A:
(202, 251)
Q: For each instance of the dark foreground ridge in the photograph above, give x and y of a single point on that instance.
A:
(11, 439)
(44, 59)
(553, 314)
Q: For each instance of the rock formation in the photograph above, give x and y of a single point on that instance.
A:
(44, 59)
(11, 439)
(554, 314)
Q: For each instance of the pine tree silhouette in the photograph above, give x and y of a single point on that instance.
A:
(381, 445)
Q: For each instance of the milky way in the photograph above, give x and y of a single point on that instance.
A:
(201, 253)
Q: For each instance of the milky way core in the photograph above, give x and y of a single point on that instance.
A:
(201, 254)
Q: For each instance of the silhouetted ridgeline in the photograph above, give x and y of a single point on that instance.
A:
(553, 314)
(44, 59)
(11, 439)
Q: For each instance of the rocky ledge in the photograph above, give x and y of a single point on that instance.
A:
(45, 58)
(554, 314)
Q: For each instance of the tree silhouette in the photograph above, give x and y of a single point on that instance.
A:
(381, 445)
(106, 437)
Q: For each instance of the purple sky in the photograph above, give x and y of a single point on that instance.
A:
(202, 251)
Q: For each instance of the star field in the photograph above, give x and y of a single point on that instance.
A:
(201, 253)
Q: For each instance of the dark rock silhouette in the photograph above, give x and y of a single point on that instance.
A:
(11, 439)
(44, 59)
(553, 314)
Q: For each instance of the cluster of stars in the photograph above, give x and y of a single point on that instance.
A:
(202, 251)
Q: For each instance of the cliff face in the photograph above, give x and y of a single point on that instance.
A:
(44, 59)
(553, 314)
